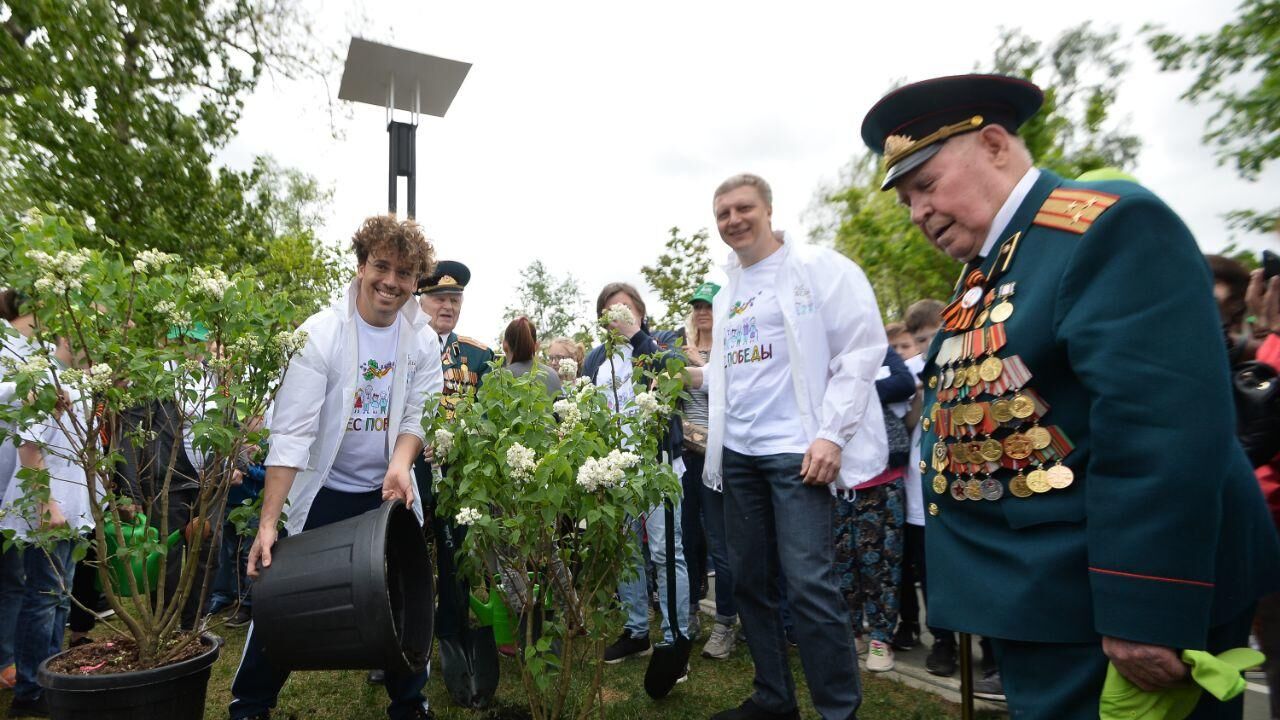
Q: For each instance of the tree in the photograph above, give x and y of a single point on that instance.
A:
(1237, 68)
(112, 110)
(680, 269)
(1080, 73)
(554, 305)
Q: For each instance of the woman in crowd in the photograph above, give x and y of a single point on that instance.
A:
(520, 346)
(15, 329)
(561, 349)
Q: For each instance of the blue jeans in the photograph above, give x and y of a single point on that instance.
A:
(13, 581)
(718, 551)
(257, 683)
(776, 525)
(634, 592)
(45, 603)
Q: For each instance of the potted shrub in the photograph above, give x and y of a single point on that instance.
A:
(159, 346)
(548, 486)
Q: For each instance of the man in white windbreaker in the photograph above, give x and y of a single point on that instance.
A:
(346, 427)
(794, 419)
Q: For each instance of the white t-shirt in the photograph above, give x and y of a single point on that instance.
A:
(761, 414)
(16, 347)
(912, 481)
(361, 462)
(67, 484)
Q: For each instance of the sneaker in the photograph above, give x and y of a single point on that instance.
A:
(627, 646)
(684, 675)
(906, 638)
(242, 617)
(749, 710)
(29, 707)
(8, 677)
(942, 658)
(376, 677)
(990, 687)
(879, 657)
(720, 644)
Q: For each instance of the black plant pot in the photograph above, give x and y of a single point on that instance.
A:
(173, 692)
(354, 595)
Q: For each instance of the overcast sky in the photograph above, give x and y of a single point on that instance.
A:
(585, 130)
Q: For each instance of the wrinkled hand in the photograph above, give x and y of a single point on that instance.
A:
(261, 550)
(1150, 667)
(398, 483)
(626, 330)
(428, 453)
(1263, 300)
(821, 463)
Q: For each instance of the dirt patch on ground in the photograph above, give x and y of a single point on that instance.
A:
(116, 655)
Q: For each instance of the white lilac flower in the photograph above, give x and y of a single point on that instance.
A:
(521, 461)
(211, 282)
(150, 258)
(618, 314)
(443, 442)
(622, 459)
(589, 474)
(467, 516)
(607, 472)
(246, 345)
(568, 412)
(291, 343)
(32, 364)
(648, 404)
(567, 368)
(98, 379)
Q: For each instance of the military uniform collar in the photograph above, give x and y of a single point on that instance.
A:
(1010, 206)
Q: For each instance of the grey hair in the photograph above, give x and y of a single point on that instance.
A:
(746, 180)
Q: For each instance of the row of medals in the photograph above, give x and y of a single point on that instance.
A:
(968, 376)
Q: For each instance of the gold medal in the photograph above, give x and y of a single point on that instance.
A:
(992, 450)
(1002, 312)
(1040, 438)
(991, 369)
(940, 484)
(1038, 481)
(939, 461)
(1023, 406)
(974, 451)
(976, 414)
(973, 490)
(1018, 446)
(958, 454)
(1018, 486)
(982, 318)
(973, 376)
(1060, 476)
(1002, 410)
(933, 382)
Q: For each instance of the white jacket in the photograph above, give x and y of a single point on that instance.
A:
(315, 399)
(836, 343)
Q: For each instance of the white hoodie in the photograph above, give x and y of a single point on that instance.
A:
(315, 399)
(836, 343)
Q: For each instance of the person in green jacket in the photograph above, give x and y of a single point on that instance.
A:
(1087, 499)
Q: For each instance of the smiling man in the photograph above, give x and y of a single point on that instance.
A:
(346, 427)
(793, 418)
(1088, 501)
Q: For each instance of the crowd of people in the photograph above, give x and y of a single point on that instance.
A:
(1065, 456)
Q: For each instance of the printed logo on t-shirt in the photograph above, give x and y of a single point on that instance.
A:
(742, 341)
(804, 300)
(373, 370)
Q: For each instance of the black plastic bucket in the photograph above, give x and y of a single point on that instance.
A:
(173, 692)
(353, 595)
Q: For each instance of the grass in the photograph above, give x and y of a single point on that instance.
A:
(713, 685)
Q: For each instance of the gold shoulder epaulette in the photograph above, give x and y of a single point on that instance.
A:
(472, 342)
(1073, 210)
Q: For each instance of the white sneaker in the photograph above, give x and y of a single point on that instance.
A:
(721, 642)
(879, 657)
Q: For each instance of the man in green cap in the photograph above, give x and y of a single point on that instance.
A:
(1087, 499)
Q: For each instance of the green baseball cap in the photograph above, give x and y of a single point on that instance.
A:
(705, 292)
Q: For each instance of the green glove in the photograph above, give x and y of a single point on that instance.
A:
(1221, 676)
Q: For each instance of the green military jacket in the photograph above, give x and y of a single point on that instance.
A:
(465, 362)
(1111, 365)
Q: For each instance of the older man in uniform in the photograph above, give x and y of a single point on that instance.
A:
(1087, 499)
(465, 362)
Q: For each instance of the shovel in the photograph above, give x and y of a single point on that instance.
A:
(668, 663)
(468, 657)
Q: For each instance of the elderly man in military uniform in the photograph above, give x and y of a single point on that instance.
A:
(1087, 499)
